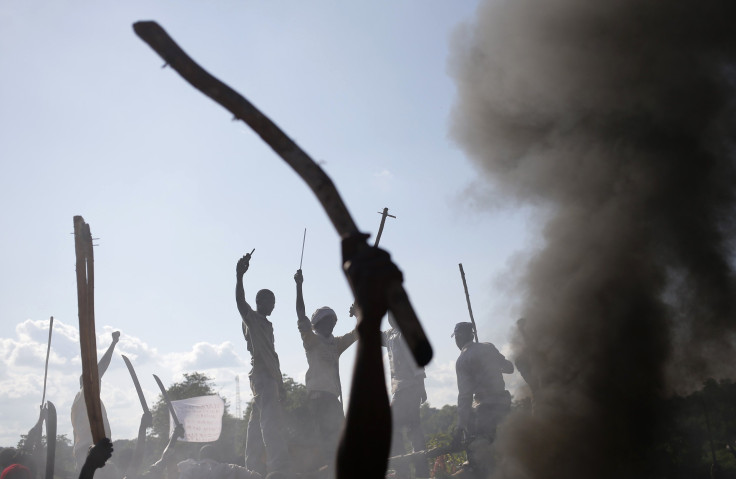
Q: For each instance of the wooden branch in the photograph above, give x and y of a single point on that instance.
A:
(321, 184)
(87, 340)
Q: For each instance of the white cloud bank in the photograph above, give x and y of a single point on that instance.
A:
(22, 359)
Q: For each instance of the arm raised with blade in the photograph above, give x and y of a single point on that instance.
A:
(146, 418)
(178, 428)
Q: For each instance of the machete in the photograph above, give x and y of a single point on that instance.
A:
(165, 395)
(320, 184)
(87, 340)
(136, 384)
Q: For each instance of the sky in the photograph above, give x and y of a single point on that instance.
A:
(175, 192)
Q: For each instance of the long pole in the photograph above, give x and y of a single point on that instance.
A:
(46, 368)
(467, 298)
(303, 240)
(87, 340)
(383, 214)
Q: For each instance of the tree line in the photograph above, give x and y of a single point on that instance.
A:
(697, 439)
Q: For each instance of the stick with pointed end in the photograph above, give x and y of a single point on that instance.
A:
(46, 367)
(87, 340)
(467, 298)
(383, 214)
(321, 184)
(302, 257)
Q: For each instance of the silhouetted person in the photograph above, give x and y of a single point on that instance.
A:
(366, 438)
(80, 420)
(161, 467)
(33, 449)
(407, 395)
(323, 376)
(96, 458)
(482, 400)
(140, 443)
(266, 424)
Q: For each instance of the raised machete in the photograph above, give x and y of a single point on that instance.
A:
(137, 385)
(165, 395)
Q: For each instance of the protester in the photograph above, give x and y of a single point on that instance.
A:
(266, 424)
(166, 462)
(366, 438)
(407, 395)
(322, 380)
(482, 400)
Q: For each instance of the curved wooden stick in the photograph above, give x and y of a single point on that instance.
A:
(321, 184)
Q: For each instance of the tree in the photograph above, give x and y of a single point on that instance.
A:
(194, 384)
(63, 460)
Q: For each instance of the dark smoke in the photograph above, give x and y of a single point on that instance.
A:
(617, 117)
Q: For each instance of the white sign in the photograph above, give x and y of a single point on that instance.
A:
(201, 417)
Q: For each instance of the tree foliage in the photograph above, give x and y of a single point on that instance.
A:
(63, 459)
(439, 427)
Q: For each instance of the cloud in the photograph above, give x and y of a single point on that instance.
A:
(383, 179)
(206, 356)
(134, 348)
(441, 383)
(22, 360)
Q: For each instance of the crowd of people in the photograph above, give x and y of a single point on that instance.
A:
(356, 445)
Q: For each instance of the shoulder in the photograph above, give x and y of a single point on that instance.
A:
(487, 349)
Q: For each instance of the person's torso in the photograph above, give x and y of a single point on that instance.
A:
(480, 368)
(404, 371)
(323, 358)
(261, 345)
(81, 431)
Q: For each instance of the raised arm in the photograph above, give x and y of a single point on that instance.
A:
(96, 459)
(140, 444)
(161, 463)
(104, 362)
(240, 269)
(301, 311)
(506, 366)
(309, 337)
(345, 341)
(366, 438)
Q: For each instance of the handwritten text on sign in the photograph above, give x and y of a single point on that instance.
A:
(201, 417)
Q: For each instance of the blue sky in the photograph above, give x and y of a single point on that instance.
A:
(176, 192)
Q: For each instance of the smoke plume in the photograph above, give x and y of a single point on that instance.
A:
(618, 119)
